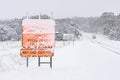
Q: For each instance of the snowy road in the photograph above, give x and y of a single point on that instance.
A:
(83, 61)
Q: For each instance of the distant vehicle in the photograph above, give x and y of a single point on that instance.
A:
(93, 37)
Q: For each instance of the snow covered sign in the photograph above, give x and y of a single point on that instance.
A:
(38, 37)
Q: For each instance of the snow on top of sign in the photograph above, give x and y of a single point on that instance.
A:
(38, 31)
(46, 22)
(37, 26)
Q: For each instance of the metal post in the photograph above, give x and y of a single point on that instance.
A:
(27, 62)
(38, 61)
(40, 15)
(69, 42)
(51, 62)
(27, 15)
(63, 42)
(73, 42)
(51, 15)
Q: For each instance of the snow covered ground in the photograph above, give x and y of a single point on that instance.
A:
(87, 59)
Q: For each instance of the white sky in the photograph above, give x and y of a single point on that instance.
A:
(60, 8)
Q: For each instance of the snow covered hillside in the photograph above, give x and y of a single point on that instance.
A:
(87, 59)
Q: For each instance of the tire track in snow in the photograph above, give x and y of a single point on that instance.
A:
(105, 46)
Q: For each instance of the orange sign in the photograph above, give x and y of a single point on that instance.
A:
(36, 53)
(38, 37)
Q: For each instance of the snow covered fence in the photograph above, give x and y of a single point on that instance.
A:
(67, 38)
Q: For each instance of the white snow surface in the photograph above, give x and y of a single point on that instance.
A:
(87, 59)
